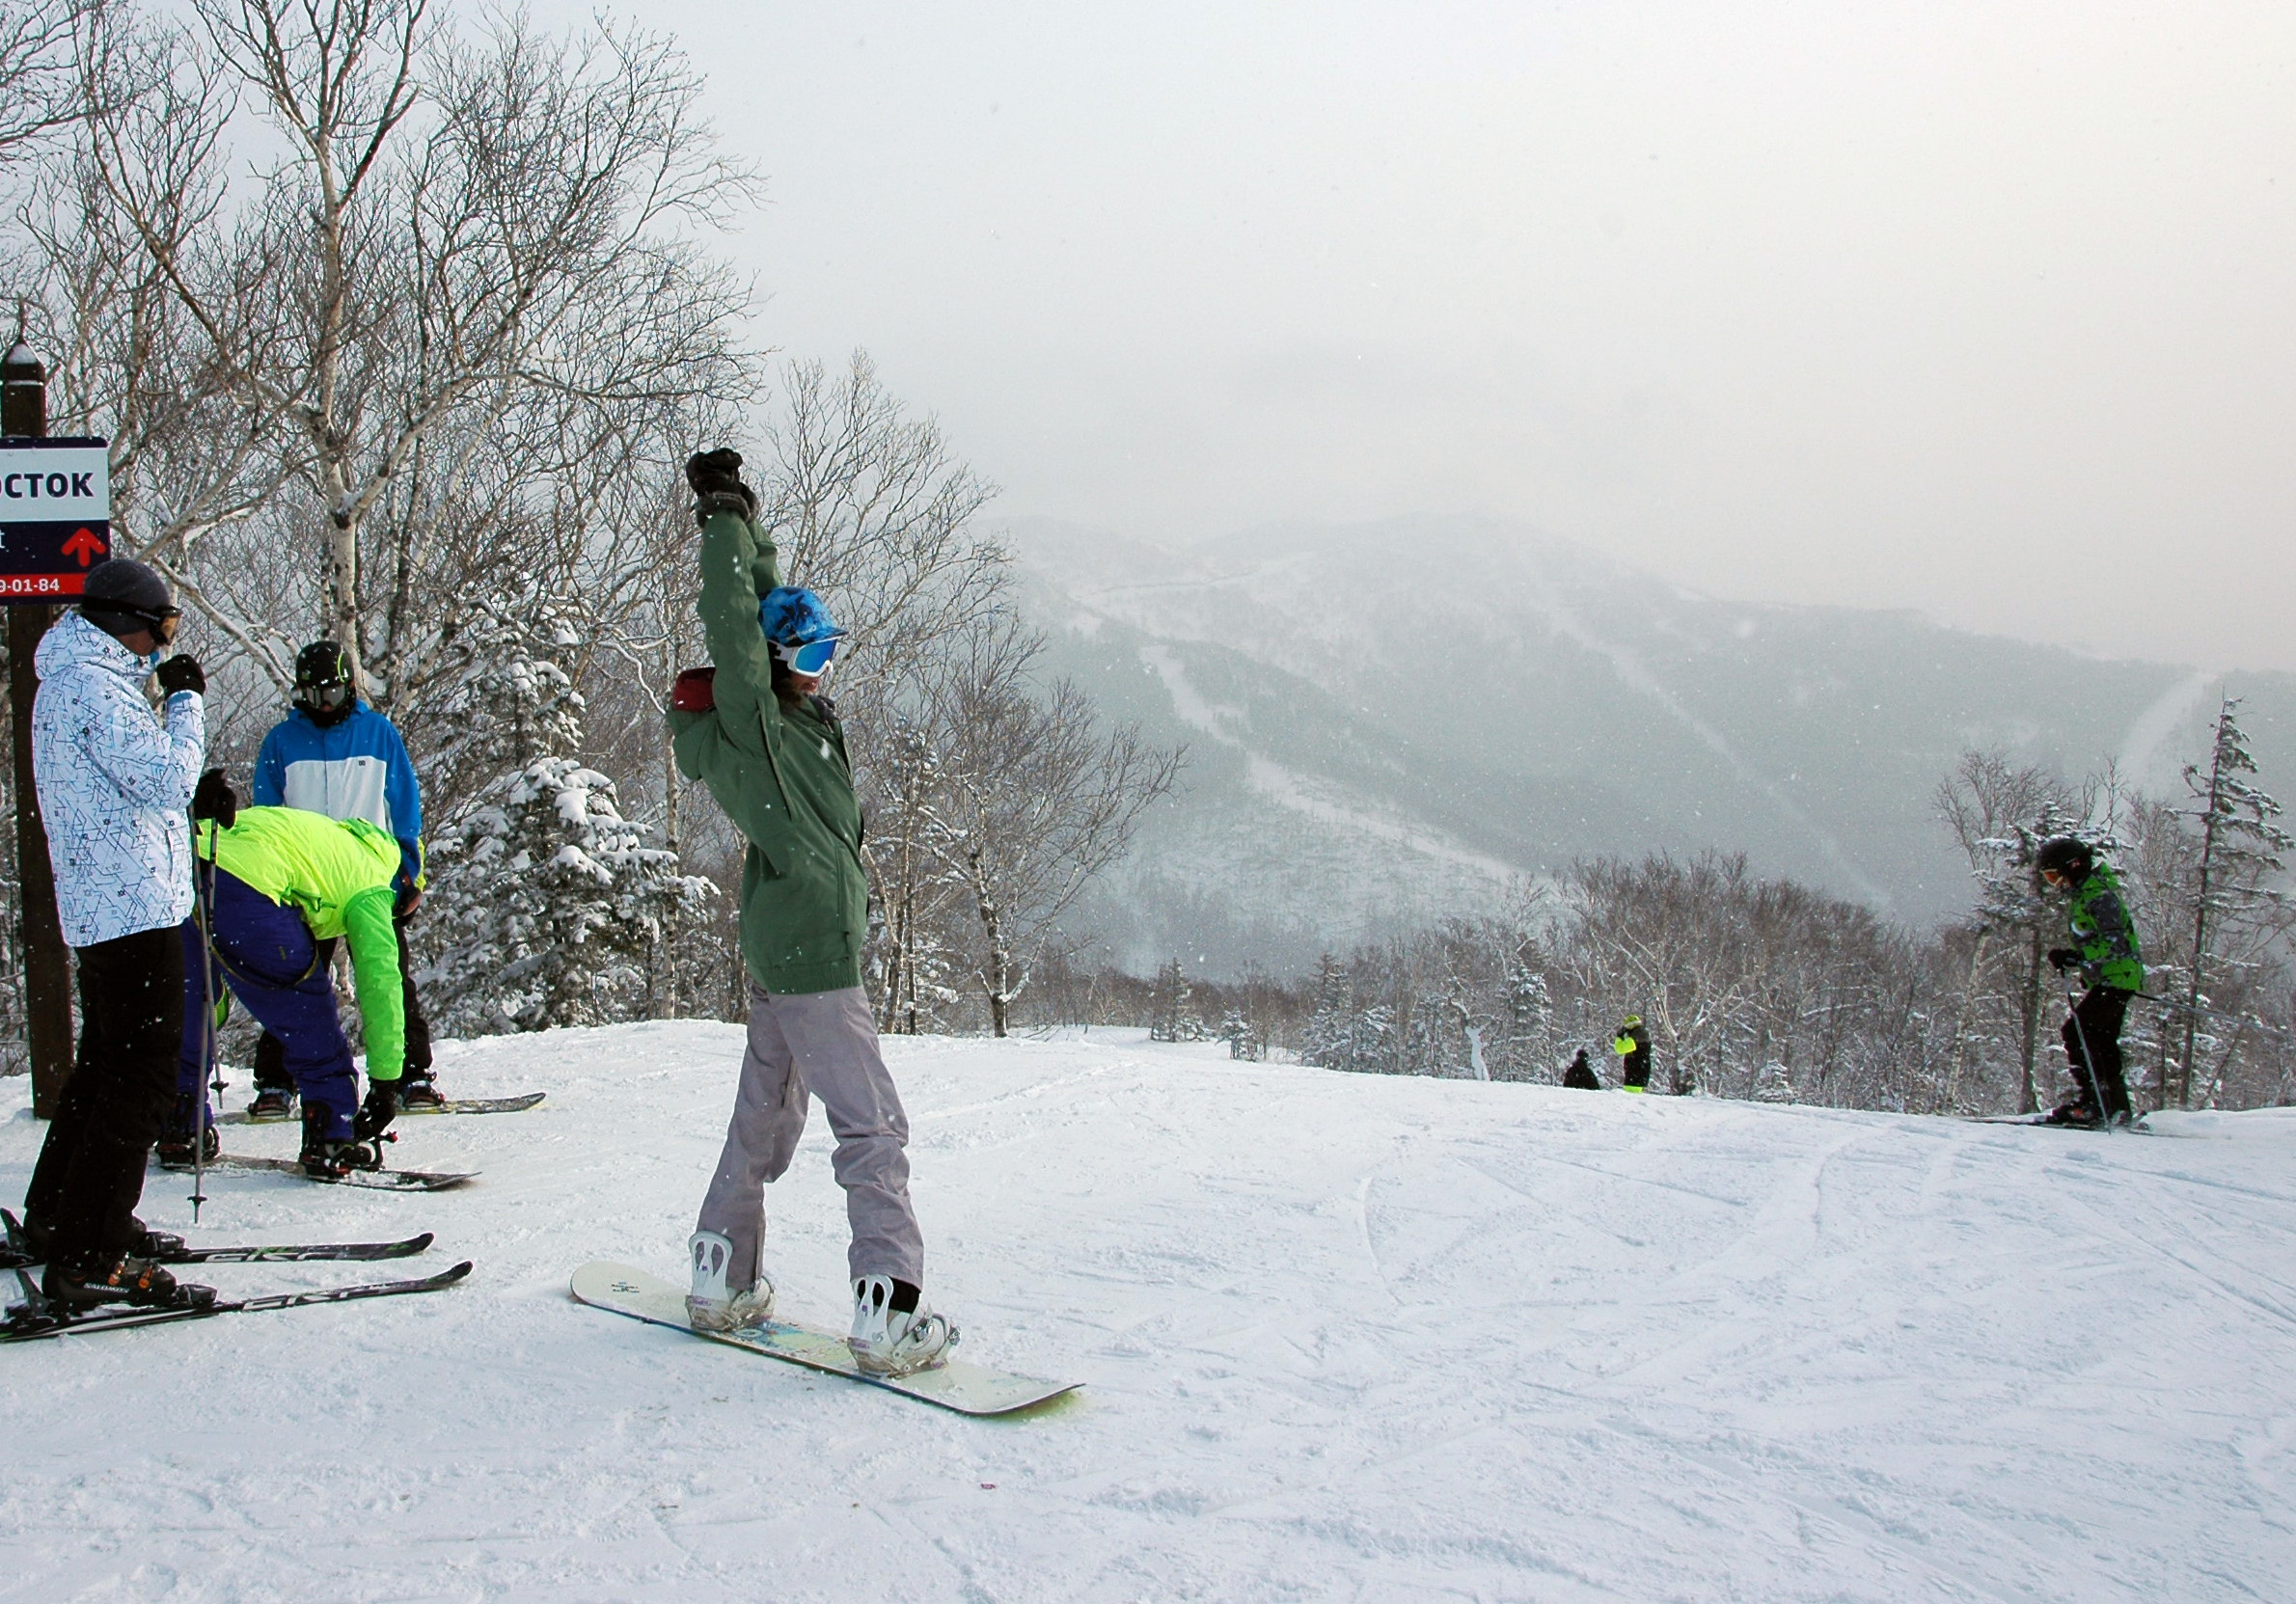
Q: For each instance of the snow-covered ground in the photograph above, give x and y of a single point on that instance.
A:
(1344, 1337)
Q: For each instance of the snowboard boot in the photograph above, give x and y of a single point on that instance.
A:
(888, 1340)
(710, 1306)
(2078, 1112)
(272, 1105)
(418, 1094)
(89, 1281)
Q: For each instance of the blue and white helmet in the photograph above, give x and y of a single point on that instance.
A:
(799, 628)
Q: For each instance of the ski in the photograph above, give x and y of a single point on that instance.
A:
(25, 1323)
(456, 1106)
(2044, 1122)
(19, 1253)
(967, 1389)
(387, 1180)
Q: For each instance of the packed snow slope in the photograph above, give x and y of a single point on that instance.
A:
(1341, 1337)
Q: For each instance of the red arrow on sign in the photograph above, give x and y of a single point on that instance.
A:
(86, 545)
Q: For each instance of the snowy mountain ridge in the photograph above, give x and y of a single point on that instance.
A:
(1391, 722)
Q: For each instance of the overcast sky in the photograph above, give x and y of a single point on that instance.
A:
(1983, 309)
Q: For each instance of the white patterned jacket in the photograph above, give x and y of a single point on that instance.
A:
(115, 785)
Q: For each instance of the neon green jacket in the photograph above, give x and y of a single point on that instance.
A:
(337, 874)
(2102, 928)
(782, 777)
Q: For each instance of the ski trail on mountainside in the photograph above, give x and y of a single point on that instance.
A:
(1287, 788)
(2141, 755)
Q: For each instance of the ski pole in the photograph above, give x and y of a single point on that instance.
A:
(208, 1067)
(2096, 1085)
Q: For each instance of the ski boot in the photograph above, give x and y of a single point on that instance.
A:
(2078, 1112)
(710, 1306)
(174, 1149)
(888, 1341)
(89, 1281)
(326, 1158)
(418, 1094)
(272, 1105)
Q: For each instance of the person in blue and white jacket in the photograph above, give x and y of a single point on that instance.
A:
(333, 754)
(115, 781)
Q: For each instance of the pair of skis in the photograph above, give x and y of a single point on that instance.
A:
(32, 1318)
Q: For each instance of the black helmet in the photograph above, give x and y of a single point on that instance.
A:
(2064, 855)
(324, 686)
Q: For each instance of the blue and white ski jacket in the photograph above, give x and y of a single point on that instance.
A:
(114, 781)
(356, 769)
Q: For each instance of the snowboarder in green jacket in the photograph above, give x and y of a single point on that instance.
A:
(2105, 954)
(754, 728)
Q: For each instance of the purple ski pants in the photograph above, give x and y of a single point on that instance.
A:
(817, 1045)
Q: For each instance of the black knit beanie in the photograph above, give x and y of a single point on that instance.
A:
(122, 596)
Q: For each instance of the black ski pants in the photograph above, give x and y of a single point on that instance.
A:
(2092, 1046)
(91, 1171)
(1635, 1069)
(270, 1057)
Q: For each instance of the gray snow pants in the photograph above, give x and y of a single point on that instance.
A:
(823, 1043)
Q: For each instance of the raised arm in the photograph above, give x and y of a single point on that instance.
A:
(737, 560)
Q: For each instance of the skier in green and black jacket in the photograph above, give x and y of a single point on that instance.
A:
(754, 729)
(2104, 952)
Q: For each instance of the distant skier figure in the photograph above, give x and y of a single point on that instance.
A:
(1580, 1076)
(773, 753)
(277, 883)
(333, 754)
(1633, 1045)
(2106, 955)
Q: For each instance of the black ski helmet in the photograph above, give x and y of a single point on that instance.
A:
(2064, 855)
(324, 686)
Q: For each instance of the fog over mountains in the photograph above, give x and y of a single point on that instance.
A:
(1392, 721)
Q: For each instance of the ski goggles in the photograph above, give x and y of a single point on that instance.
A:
(327, 695)
(810, 658)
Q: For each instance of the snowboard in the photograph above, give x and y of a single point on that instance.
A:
(26, 1324)
(454, 1106)
(967, 1389)
(385, 1180)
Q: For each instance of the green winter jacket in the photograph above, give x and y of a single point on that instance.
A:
(782, 777)
(338, 874)
(2104, 932)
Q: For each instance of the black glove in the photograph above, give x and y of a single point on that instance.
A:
(181, 673)
(213, 799)
(2062, 959)
(716, 478)
(377, 1112)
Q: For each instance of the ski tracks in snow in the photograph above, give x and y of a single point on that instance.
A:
(1343, 1337)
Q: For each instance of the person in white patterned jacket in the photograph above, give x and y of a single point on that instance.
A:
(115, 781)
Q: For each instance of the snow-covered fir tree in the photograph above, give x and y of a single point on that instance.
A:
(1173, 1015)
(2240, 848)
(1323, 1041)
(548, 908)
